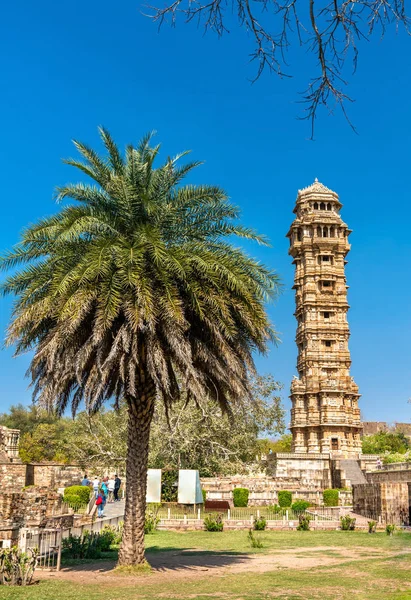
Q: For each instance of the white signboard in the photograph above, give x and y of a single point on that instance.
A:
(153, 486)
(189, 487)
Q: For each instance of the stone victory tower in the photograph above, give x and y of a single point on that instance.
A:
(325, 416)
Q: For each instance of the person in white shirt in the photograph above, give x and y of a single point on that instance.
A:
(96, 484)
(110, 485)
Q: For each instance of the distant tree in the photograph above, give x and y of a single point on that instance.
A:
(194, 436)
(100, 440)
(47, 442)
(385, 441)
(136, 292)
(203, 437)
(331, 31)
(26, 418)
(281, 444)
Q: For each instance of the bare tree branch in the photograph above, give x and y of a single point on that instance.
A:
(330, 30)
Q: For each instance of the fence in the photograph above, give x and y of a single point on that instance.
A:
(47, 541)
(240, 514)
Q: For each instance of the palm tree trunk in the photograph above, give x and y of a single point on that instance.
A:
(140, 414)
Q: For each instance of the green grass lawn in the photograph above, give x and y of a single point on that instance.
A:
(381, 570)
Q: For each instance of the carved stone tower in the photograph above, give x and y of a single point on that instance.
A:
(325, 416)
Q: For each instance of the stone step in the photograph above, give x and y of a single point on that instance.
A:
(352, 471)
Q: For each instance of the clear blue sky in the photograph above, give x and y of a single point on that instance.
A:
(67, 67)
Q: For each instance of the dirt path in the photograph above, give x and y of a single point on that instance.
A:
(198, 564)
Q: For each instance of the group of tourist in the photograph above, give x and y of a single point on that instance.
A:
(105, 491)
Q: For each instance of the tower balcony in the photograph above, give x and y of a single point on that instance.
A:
(297, 386)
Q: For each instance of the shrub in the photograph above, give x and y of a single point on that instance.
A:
(240, 497)
(285, 498)
(347, 523)
(77, 496)
(372, 526)
(17, 567)
(390, 529)
(151, 522)
(303, 523)
(108, 537)
(254, 541)
(213, 523)
(86, 546)
(260, 524)
(275, 508)
(204, 496)
(330, 497)
(300, 505)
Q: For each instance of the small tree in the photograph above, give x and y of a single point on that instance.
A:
(240, 497)
(300, 505)
(285, 498)
(331, 497)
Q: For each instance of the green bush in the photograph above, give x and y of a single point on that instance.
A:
(260, 524)
(254, 541)
(330, 497)
(151, 522)
(214, 523)
(86, 546)
(92, 545)
(275, 508)
(204, 496)
(372, 526)
(347, 523)
(300, 505)
(240, 497)
(303, 523)
(390, 529)
(77, 496)
(285, 498)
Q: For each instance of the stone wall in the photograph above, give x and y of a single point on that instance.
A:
(263, 490)
(295, 471)
(53, 475)
(388, 501)
(399, 473)
(373, 427)
(31, 507)
(15, 476)
(12, 476)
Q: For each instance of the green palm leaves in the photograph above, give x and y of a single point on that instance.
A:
(137, 279)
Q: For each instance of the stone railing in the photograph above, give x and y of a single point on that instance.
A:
(301, 455)
(405, 466)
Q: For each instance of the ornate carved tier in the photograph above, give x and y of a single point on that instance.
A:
(325, 415)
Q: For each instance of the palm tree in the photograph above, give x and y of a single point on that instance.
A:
(135, 293)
